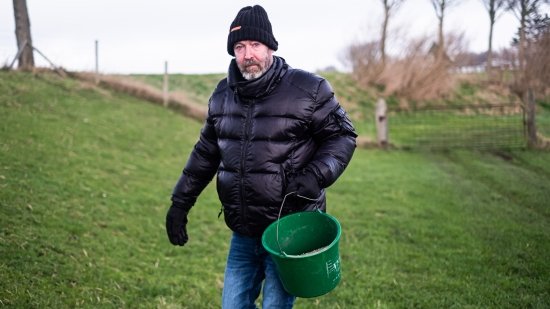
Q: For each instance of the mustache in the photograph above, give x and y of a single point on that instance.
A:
(250, 62)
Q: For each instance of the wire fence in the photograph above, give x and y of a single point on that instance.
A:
(476, 127)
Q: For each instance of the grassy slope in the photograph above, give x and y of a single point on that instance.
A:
(85, 179)
(359, 103)
(198, 88)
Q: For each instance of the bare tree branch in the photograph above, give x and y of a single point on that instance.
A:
(440, 7)
(390, 6)
(493, 7)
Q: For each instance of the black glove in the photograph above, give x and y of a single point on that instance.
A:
(176, 221)
(305, 184)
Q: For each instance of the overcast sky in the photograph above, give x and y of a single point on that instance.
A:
(137, 36)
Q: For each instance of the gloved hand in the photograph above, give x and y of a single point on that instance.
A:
(305, 184)
(176, 221)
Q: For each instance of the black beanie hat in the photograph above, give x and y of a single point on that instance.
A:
(253, 24)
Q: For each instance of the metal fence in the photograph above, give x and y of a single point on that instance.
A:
(483, 127)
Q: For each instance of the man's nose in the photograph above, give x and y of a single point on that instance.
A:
(248, 52)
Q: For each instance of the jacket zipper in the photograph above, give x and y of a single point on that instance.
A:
(248, 121)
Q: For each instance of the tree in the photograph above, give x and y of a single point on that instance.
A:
(493, 7)
(535, 33)
(389, 7)
(522, 9)
(536, 78)
(538, 57)
(531, 77)
(23, 35)
(440, 7)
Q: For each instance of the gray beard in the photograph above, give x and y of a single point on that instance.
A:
(254, 75)
(249, 76)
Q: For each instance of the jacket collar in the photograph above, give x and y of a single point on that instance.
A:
(257, 87)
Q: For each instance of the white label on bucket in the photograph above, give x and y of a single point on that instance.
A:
(333, 268)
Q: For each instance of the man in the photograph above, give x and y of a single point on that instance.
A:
(271, 131)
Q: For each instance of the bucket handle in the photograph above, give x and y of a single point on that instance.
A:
(279, 218)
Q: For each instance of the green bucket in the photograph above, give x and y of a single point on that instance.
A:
(304, 247)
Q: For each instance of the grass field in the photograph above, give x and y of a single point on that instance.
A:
(85, 181)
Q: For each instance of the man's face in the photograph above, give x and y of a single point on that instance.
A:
(253, 58)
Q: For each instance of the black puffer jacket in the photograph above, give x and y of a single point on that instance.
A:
(259, 133)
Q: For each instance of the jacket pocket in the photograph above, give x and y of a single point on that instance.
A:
(343, 121)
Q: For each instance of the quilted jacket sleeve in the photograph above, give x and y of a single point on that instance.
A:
(200, 168)
(333, 131)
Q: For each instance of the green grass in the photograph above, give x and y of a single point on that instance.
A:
(85, 180)
(543, 118)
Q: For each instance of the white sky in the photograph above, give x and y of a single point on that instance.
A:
(137, 36)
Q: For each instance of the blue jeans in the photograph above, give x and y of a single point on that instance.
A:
(248, 265)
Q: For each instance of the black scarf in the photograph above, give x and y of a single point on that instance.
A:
(258, 87)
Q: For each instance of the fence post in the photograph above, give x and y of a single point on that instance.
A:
(165, 84)
(530, 121)
(381, 120)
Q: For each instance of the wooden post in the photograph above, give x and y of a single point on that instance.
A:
(19, 52)
(165, 84)
(529, 101)
(96, 62)
(381, 120)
